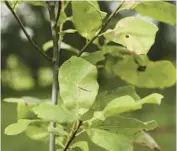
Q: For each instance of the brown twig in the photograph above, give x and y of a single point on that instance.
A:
(72, 134)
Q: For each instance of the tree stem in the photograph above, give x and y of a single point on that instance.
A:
(56, 54)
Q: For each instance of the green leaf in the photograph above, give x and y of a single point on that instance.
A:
(87, 17)
(128, 5)
(24, 106)
(82, 145)
(159, 74)
(36, 3)
(37, 133)
(94, 57)
(158, 10)
(125, 125)
(78, 84)
(110, 141)
(55, 113)
(127, 103)
(135, 34)
(18, 127)
(145, 139)
(106, 96)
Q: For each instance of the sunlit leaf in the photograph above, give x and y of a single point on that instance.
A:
(55, 113)
(145, 139)
(134, 33)
(81, 144)
(78, 84)
(158, 10)
(18, 127)
(159, 74)
(36, 3)
(87, 17)
(110, 141)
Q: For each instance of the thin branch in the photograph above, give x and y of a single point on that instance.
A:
(26, 34)
(56, 58)
(72, 135)
(102, 28)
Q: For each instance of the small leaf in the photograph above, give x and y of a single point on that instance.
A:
(49, 44)
(78, 84)
(37, 133)
(82, 145)
(158, 10)
(135, 34)
(110, 141)
(18, 127)
(127, 103)
(158, 74)
(55, 113)
(36, 3)
(145, 139)
(94, 57)
(87, 17)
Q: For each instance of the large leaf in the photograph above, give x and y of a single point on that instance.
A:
(82, 145)
(18, 127)
(158, 10)
(78, 84)
(110, 141)
(87, 17)
(159, 74)
(145, 139)
(127, 103)
(55, 113)
(134, 33)
(125, 126)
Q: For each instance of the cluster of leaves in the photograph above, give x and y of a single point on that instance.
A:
(79, 87)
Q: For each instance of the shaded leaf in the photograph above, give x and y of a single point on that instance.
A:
(135, 34)
(55, 113)
(94, 57)
(78, 84)
(158, 10)
(59, 130)
(87, 17)
(82, 145)
(110, 141)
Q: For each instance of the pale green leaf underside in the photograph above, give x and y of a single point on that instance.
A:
(78, 84)
(109, 141)
(135, 34)
(55, 113)
(87, 17)
(159, 74)
(158, 10)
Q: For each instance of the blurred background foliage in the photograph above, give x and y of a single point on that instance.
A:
(25, 72)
